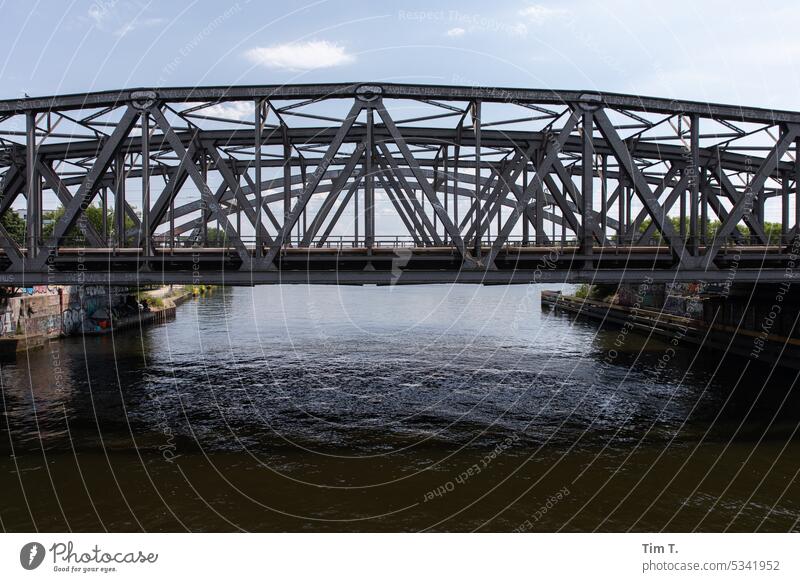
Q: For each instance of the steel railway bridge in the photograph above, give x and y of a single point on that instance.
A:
(386, 183)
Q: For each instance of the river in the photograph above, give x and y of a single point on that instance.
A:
(436, 408)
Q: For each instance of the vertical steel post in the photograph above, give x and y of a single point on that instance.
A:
(499, 202)
(538, 203)
(172, 222)
(259, 125)
(436, 183)
(422, 208)
(621, 210)
(145, 230)
(701, 179)
(119, 199)
(104, 218)
(587, 187)
(694, 197)
(784, 206)
(369, 186)
(456, 165)
(446, 196)
(526, 222)
(629, 193)
(305, 208)
(476, 118)
(204, 173)
(236, 201)
(34, 189)
(303, 231)
(604, 195)
(797, 186)
(682, 213)
(355, 216)
(287, 178)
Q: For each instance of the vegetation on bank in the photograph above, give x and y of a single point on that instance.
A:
(597, 292)
(16, 227)
(771, 229)
(152, 301)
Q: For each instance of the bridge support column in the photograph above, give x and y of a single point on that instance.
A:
(694, 184)
(701, 182)
(445, 182)
(287, 176)
(145, 228)
(526, 222)
(784, 206)
(603, 195)
(119, 199)
(622, 226)
(682, 213)
(104, 218)
(797, 186)
(257, 138)
(34, 189)
(204, 216)
(369, 186)
(456, 157)
(587, 187)
(476, 119)
(539, 206)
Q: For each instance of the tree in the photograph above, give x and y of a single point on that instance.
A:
(771, 229)
(217, 237)
(94, 216)
(14, 225)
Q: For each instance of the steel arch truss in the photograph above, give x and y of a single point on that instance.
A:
(362, 183)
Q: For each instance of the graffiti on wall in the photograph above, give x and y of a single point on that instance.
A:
(6, 323)
(40, 290)
(64, 310)
(72, 319)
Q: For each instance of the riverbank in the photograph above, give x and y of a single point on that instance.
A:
(34, 316)
(771, 349)
(157, 306)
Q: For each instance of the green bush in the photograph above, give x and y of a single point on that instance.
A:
(14, 225)
(597, 292)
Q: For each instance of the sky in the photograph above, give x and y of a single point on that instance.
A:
(741, 53)
(723, 51)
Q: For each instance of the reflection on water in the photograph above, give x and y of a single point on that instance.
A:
(368, 408)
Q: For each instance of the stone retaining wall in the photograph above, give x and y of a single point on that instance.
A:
(53, 311)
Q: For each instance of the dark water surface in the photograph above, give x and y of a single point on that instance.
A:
(392, 409)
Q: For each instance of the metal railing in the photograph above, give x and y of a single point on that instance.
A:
(164, 243)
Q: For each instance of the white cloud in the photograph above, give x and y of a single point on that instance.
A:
(233, 110)
(304, 56)
(518, 29)
(476, 23)
(132, 25)
(119, 17)
(539, 14)
(98, 14)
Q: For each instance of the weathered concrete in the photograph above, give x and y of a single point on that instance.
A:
(33, 315)
(758, 322)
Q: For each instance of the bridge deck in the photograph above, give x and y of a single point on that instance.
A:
(401, 265)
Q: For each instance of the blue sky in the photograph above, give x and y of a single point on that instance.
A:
(737, 52)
